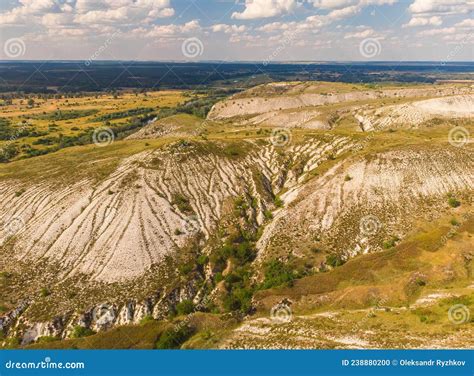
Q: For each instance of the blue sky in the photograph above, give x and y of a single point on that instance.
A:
(259, 30)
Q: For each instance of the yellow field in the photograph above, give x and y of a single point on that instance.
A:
(40, 117)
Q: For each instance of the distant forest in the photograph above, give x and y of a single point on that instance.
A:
(74, 76)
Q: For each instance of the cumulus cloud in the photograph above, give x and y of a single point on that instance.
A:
(224, 28)
(264, 9)
(360, 34)
(337, 4)
(86, 12)
(424, 21)
(344, 12)
(469, 23)
(27, 11)
(432, 32)
(171, 30)
(274, 26)
(441, 6)
(332, 4)
(329, 22)
(122, 11)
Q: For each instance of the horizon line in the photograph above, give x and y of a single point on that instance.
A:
(240, 61)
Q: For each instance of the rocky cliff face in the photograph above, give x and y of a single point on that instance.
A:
(270, 107)
(150, 208)
(360, 203)
(97, 253)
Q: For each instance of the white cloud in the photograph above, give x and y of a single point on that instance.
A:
(87, 12)
(432, 32)
(441, 6)
(424, 21)
(332, 4)
(83, 6)
(55, 20)
(460, 38)
(337, 11)
(340, 9)
(344, 12)
(264, 9)
(274, 26)
(468, 23)
(223, 28)
(337, 4)
(360, 34)
(27, 11)
(101, 16)
(37, 5)
(122, 11)
(171, 30)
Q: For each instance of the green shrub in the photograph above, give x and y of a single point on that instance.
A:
(186, 268)
(241, 252)
(239, 299)
(146, 318)
(276, 274)
(391, 242)
(174, 337)
(185, 307)
(81, 331)
(8, 152)
(268, 214)
(334, 260)
(20, 192)
(123, 114)
(202, 260)
(46, 339)
(453, 202)
(232, 278)
(12, 343)
(278, 202)
(182, 203)
(64, 115)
